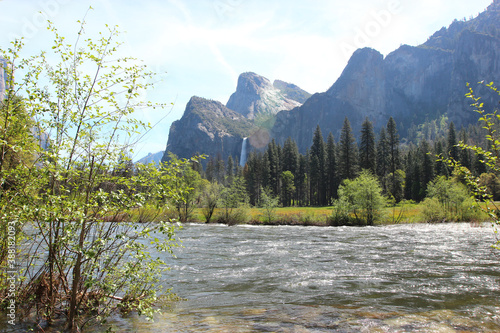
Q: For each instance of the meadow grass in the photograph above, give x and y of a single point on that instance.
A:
(403, 212)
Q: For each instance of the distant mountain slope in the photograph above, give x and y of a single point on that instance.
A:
(151, 158)
(291, 91)
(411, 84)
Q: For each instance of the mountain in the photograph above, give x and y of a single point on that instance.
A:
(3, 64)
(151, 158)
(256, 95)
(411, 84)
(207, 127)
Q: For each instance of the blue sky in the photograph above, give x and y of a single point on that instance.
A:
(199, 47)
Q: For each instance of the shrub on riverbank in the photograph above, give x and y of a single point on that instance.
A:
(404, 212)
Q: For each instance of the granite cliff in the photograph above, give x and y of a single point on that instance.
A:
(207, 127)
(256, 95)
(291, 91)
(411, 84)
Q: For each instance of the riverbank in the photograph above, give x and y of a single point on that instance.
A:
(402, 213)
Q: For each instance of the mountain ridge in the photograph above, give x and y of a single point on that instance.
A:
(211, 128)
(411, 84)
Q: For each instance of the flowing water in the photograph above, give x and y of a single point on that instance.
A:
(243, 154)
(401, 278)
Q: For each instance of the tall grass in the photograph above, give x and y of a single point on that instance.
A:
(404, 212)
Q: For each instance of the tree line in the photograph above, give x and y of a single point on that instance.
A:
(403, 170)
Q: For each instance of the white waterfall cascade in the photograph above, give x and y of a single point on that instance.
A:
(243, 155)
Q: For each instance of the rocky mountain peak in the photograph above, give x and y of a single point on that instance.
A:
(3, 64)
(255, 94)
(251, 83)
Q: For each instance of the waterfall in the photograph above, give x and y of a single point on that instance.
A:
(243, 155)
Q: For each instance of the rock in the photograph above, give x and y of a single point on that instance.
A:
(256, 95)
(413, 84)
(208, 127)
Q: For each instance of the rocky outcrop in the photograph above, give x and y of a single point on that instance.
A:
(255, 95)
(207, 127)
(412, 84)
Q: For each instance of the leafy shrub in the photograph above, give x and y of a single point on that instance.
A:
(360, 201)
(433, 211)
(234, 216)
(449, 200)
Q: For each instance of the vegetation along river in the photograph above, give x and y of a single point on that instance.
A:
(399, 278)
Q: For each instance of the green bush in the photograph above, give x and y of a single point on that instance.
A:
(341, 213)
(449, 200)
(360, 201)
(234, 216)
(433, 211)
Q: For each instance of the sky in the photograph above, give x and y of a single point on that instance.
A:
(199, 47)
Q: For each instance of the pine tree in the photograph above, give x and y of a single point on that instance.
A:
(290, 160)
(210, 170)
(230, 169)
(452, 142)
(348, 153)
(394, 158)
(287, 188)
(331, 168)
(412, 180)
(393, 146)
(441, 167)
(382, 163)
(318, 168)
(428, 166)
(220, 169)
(273, 154)
(301, 181)
(266, 170)
(252, 174)
(367, 150)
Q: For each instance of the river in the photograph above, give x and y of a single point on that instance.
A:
(399, 278)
